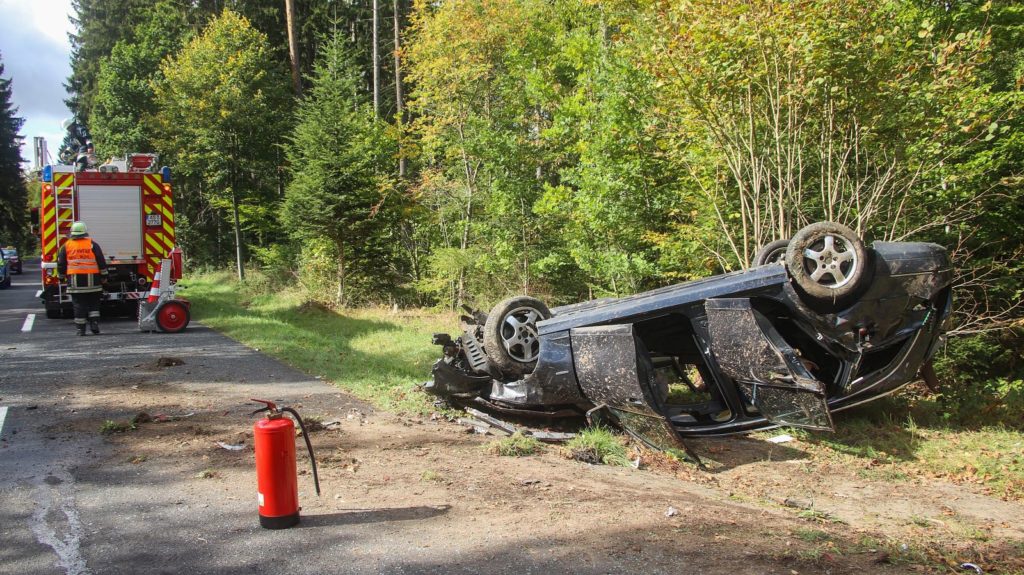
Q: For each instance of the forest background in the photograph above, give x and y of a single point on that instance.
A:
(441, 153)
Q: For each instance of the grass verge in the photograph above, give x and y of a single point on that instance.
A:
(888, 449)
(378, 355)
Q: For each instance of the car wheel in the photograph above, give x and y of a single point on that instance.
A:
(6, 283)
(771, 253)
(828, 262)
(510, 334)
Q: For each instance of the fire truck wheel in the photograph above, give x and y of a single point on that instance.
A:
(172, 317)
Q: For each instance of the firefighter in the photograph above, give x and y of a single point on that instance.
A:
(80, 262)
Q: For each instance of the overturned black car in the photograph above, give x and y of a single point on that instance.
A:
(821, 324)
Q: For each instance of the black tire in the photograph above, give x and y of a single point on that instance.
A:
(510, 334)
(771, 253)
(828, 263)
(6, 283)
(52, 311)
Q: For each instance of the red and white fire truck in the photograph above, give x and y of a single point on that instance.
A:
(128, 207)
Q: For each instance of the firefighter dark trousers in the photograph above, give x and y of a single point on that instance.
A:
(87, 307)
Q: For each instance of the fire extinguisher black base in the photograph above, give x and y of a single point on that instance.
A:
(282, 522)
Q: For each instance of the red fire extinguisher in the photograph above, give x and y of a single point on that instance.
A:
(277, 484)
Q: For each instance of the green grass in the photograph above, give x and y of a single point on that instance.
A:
(886, 449)
(515, 445)
(811, 535)
(598, 445)
(432, 476)
(377, 355)
(110, 427)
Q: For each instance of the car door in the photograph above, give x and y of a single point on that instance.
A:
(766, 369)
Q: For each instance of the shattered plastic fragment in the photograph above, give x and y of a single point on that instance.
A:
(230, 447)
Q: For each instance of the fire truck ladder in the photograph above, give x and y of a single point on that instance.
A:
(64, 200)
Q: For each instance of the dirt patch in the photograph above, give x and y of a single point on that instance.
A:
(160, 363)
(760, 507)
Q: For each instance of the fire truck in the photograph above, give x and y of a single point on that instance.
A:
(128, 207)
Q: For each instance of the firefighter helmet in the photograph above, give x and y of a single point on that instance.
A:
(78, 229)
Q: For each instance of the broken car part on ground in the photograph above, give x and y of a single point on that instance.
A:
(822, 323)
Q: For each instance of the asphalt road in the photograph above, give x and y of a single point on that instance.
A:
(67, 506)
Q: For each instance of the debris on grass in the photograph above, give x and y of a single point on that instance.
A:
(207, 474)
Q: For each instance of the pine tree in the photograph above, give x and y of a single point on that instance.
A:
(13, 216)
(99, 26)
(340, 156)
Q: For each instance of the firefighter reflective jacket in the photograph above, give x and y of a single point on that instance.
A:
(81, 261)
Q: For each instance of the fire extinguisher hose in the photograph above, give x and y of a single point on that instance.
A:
(309, 446)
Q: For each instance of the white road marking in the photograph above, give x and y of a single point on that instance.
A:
(30, 320)
(3, 416)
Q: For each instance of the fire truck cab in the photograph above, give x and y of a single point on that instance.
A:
(128, 207)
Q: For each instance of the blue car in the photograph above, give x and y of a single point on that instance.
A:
(10, 254)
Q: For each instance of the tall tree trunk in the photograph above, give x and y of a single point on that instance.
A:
(238, 228)
(376, 59)
(238, 235)
(293, 46)
(340, 297)
(399, 108)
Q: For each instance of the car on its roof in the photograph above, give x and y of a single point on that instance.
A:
(10, 253)
(822, 323)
